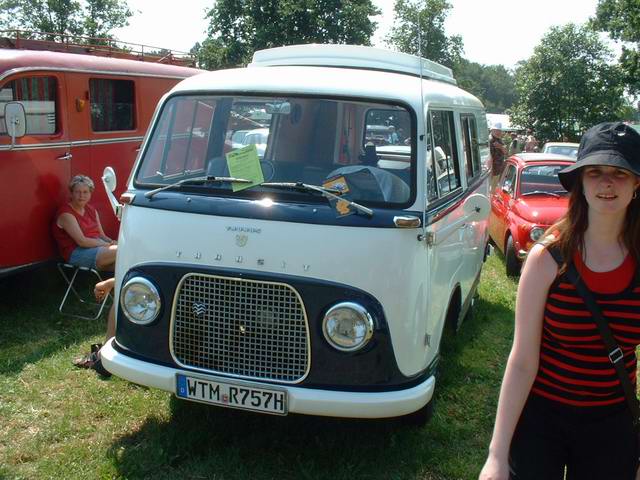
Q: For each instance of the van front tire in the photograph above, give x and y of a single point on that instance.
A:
(420, 417)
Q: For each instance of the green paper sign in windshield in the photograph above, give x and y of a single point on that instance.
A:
(245, 163)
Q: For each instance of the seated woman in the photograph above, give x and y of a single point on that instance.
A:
(78, 231)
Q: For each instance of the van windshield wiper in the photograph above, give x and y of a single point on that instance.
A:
(541, 192)
(329, 193)
(196, 181)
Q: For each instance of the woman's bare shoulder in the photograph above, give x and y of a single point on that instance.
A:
(540, 265)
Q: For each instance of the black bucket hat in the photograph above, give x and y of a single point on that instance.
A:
(613, 144)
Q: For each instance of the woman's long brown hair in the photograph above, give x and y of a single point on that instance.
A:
(567, 234)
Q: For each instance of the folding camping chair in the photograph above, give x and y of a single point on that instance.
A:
(70, 274)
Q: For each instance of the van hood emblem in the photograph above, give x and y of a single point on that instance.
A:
(241, 240)
(199, 309)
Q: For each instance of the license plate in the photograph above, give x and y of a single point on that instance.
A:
(232, 395)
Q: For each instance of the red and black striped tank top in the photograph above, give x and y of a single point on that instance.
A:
(574, 367)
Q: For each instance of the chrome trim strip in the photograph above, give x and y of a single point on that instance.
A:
(226, 374)
(54, 69)
(35, 146)
(109, 140)
(75, 143)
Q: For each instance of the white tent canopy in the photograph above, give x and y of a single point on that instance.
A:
(502, 121)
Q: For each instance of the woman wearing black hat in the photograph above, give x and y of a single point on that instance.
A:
(561, 403)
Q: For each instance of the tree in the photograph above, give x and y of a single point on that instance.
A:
(428, 17)
(493, 84)
(239, 27)
(568, 84)
(65, 17)
(621, 19)
(62, 16)
(102, 16)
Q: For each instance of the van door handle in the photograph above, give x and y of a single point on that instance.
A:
(66, 156)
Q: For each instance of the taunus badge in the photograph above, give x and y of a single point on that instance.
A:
(241, 240)
(199, 309)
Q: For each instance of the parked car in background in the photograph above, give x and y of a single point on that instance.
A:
(237, 138)
(527, 200)
(561, 148)
(257, 137)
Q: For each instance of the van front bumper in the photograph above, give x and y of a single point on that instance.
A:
(306, 401)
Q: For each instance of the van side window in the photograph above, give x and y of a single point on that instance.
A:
(38, 96)
(112, 104)
(470, 145)
(445, 156)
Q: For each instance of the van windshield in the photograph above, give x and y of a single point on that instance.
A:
(368, 147)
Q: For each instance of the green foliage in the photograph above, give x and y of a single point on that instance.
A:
(102, 16)
(426, 17)
(628, 112)
(493, 84)
(621, 19)
(94, 18)
(57, 16)
(237, 28)
(568, 84)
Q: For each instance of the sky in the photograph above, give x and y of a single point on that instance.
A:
(494, 31)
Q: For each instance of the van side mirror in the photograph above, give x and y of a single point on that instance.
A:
(15, 120)
(109, 181)
(476, 208)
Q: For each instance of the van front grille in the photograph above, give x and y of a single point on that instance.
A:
(240, 327)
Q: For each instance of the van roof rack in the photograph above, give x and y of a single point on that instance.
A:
(103, 47)
(352, 56)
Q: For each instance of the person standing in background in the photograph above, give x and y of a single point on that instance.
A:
(531, 143)
(498, 153)
(516, 144)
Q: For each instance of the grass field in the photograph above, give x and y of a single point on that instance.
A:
(60, 422)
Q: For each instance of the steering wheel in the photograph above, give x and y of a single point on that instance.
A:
(268, 170)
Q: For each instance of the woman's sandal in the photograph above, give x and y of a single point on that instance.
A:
(92, 360)
(85, 361)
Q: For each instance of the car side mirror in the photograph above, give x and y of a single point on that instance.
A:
(15, 121)
(476, 208)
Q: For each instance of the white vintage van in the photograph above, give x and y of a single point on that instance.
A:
(315, 277)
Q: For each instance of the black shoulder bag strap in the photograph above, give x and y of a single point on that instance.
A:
(615, 353)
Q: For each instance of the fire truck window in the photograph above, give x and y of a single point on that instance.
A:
(38, 96)
(112, 104)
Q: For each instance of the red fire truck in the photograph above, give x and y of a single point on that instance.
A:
(81, 112)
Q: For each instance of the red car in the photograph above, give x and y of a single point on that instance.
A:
(526, 201)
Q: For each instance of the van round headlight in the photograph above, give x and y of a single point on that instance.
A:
(536, 233)
(347, 326)
(140, 301)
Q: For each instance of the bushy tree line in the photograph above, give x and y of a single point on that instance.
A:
(570, 82)
(91, 18)
(237, 28)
